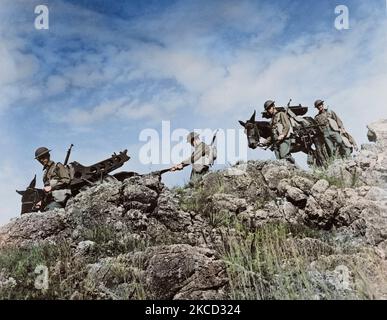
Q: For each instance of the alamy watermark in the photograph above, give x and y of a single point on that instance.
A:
(42, 279)
(341, 21)
(42, 20)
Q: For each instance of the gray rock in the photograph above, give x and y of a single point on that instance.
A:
(185, 272)
(84, 247)
(228, 202)
(319, 187)
(31, 228)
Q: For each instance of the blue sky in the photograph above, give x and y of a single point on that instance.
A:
(105, 70)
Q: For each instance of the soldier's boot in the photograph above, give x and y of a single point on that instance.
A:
(290, 159)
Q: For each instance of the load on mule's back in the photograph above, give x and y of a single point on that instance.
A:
(61, 181)
(287, 132)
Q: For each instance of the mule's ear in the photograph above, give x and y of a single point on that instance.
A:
(33, 183)
(243, 124)
(20, 192)
(252, 119)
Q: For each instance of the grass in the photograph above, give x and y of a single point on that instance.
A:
(269, 264)
(21, 264)
(340, 182)
(197, 200)
(66, 274)
(110, 243)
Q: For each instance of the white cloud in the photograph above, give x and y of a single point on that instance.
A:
(56, 84)
(15, 66)
(10, 203)
(222, 61)
(78, 116)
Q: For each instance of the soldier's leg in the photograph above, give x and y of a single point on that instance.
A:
(197, 176)
(191, 178)
(284, 151)
(329, 143)
(345, 152)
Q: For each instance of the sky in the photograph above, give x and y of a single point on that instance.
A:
(106, 70)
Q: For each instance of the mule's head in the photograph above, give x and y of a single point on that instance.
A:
(30, 197)
(251, 131)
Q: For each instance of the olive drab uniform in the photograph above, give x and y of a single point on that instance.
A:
(335, 136)
(280, 125)
(57, 176)
(200, 160)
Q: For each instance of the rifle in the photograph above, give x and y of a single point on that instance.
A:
(161, 172)
(214, 137)
(68, 155)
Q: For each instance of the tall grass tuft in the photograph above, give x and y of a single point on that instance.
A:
(271, 264)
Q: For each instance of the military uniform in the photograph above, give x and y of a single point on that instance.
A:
(58, 178)
(331, 126)
(280, 125)
(200, 160)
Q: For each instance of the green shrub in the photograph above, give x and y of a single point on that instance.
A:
(21, 263)
(271, 264)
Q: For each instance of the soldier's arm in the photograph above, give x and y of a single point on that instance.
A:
(63, 177)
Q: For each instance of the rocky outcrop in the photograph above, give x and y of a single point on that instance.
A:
(138, 239)
(167, 272)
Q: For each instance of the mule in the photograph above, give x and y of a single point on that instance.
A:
(31, 197)
(307, 137)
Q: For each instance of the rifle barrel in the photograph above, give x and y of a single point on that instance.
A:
(68, 155)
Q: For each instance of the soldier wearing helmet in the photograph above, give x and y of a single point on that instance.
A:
(337, 139)
(56, 179)
(281, 132)
(200, 159)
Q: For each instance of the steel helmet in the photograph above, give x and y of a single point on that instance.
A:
(268, 104)
(318, 103)
(192, 136)
(41, 151)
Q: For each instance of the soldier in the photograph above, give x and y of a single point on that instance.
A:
(201, 159)
(56, 179)
(335, 136)
(281, 132)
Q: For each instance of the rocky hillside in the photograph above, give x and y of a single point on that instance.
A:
(257, 230)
